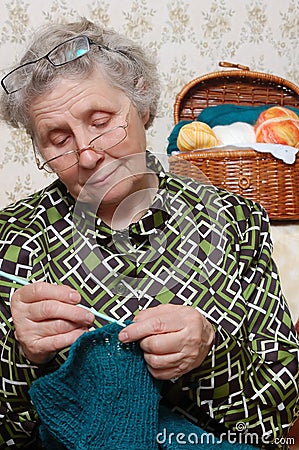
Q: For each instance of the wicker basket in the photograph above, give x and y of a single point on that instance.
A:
(255, 175)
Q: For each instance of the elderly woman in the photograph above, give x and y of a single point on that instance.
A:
(188, 264)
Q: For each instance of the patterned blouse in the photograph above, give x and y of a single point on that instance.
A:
(198, 246)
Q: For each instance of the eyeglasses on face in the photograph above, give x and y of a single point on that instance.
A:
(62, 54)
(103, 142)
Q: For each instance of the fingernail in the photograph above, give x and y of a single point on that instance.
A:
(123, 336)
(74, 296)
(89, 317)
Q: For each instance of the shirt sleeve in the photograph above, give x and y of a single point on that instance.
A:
(252, 372)
(18, 418)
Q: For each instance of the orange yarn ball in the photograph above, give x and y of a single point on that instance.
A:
(276, 112)
(279, 131)
(196, 135)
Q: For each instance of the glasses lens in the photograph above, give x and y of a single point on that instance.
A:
(62, 162)
(109, 139)
(17, 78)
(69, 51)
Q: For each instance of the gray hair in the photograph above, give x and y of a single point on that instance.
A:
(128, 68)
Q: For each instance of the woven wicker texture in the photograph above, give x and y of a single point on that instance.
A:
(258, 176)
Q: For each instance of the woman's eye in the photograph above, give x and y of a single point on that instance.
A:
(101, 124)
(61, 141)
(103, 121)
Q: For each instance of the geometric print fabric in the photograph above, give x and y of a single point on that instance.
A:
(196, 246)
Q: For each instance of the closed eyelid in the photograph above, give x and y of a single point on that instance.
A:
(58, 138)
(61, 142)
(101, 122)
(103, 119)
(92, 119)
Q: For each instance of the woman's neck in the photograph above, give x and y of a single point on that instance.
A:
(133, 206)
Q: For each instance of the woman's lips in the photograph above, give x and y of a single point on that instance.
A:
(100, 177)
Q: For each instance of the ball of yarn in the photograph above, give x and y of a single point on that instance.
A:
(276, 112)
(279, 131)
(196, 135)
(235, 133)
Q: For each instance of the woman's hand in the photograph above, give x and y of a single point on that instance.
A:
(46, 319)
(175, 339)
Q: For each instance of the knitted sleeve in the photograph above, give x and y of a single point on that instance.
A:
(252, 371)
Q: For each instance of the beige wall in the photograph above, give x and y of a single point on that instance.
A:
(189, 38)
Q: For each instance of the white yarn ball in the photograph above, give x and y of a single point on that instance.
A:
(236, 133)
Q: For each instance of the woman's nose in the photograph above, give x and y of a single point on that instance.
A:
(89, 158)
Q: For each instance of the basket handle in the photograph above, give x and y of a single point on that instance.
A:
(232, 65)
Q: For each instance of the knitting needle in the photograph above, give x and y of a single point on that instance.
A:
(14, 278)
(102, 316)
(24, 282)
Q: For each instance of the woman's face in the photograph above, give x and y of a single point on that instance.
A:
(72, 115)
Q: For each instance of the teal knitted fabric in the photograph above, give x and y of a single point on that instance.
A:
(177, 433)
(103, 397)
(229, 113)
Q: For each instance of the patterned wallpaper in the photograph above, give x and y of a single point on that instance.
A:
(189, 38)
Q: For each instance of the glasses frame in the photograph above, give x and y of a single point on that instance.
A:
(42, 165)
(88, 44)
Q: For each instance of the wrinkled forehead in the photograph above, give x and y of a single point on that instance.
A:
(76, 101)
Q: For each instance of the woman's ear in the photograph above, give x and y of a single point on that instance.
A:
(141, 86)
(145, 117)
